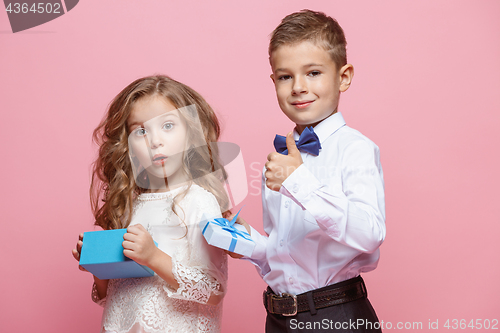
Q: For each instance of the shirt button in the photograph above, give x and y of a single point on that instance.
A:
(287, 204)
(295, 188)
(281, 242)
(290, 280)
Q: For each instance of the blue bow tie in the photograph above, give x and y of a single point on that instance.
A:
(308, 142)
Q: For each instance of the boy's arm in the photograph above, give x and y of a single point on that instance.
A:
(351, 212)
(258, 257)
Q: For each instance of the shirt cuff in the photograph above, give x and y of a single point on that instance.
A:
(258, 257)
(299, 185)
(259, 251)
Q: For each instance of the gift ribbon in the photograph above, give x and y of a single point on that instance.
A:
(229, 226)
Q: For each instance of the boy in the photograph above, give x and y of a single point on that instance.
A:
(323, 209)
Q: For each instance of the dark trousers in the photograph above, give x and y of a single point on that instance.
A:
(356, 316)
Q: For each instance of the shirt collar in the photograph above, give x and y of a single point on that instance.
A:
(326, 127)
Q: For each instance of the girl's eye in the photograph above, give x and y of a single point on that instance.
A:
(140, 131)
(168, 126)
(314, 73)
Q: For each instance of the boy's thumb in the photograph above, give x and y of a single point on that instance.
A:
(291, 145)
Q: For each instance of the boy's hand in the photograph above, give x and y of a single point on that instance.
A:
(279, 167)
(138, 245)
(78, 250)
(241, 221)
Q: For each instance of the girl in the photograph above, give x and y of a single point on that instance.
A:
(157, 175)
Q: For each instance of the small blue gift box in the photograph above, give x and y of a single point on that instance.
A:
(227, 235)
(102, 255)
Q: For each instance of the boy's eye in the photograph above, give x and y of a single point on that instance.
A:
(140, 131)
(314, 73)
(284, 77)
(168, 126)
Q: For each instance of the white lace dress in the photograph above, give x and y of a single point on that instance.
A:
(150, 304)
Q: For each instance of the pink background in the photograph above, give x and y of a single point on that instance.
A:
(426, 90)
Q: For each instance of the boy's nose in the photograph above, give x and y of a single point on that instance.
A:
(299, 86)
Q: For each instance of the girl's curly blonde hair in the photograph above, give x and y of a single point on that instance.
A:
(113, 188)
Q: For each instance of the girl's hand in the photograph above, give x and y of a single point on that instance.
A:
(78, 250)
(138, 245)
(102, 285)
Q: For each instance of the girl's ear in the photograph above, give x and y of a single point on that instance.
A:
(346, 74)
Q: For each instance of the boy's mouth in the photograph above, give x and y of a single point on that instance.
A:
(159, 159)
(302, 104)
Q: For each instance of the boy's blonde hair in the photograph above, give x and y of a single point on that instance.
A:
(316, 27)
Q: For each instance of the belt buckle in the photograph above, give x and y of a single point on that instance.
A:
(294, 312)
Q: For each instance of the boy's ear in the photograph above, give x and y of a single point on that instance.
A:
(346, 74)
(272, 77)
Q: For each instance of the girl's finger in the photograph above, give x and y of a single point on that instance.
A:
(135, 229)
(128, 245)
(76, 255)
(140, 227)
(128, 254)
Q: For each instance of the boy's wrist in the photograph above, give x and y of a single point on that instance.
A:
(291, 181)
(300, 185)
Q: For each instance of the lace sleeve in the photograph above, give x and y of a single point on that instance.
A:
(194, 284)
(95, 297)
(200, 269)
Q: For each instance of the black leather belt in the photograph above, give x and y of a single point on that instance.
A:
(338, 293)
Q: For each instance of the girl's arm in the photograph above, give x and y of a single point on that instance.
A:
(139, 246)
(194, 271)
(101, 286)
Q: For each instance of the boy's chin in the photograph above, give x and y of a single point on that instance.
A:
(310, 122)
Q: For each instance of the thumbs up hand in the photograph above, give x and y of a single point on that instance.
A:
(279, 167)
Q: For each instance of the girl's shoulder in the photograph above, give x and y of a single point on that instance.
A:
(198, 193)
(200, 200)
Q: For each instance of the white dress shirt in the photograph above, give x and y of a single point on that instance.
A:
(326, 223)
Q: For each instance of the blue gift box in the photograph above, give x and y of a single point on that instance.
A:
(227, 235)
(102, 255)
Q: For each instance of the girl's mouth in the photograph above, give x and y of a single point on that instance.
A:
(159, 159)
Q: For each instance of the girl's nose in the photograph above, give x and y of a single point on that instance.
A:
(299, 86)
(154, 140)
